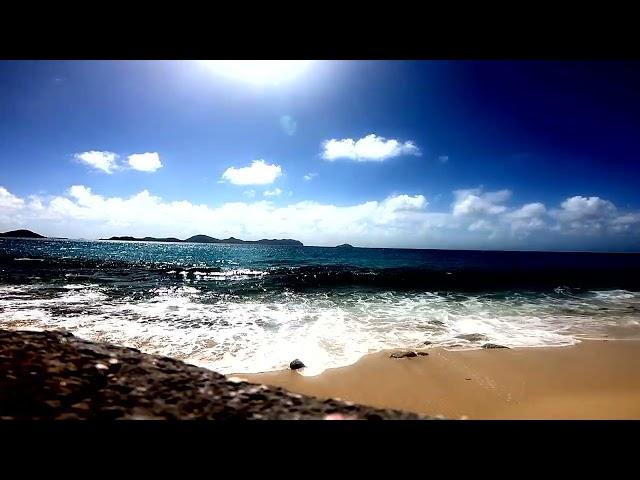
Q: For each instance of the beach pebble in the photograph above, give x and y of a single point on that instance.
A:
(296, 364)
(493, 345)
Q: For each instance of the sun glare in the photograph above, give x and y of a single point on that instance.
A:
(259, 72)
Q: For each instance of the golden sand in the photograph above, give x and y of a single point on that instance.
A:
(590, 380)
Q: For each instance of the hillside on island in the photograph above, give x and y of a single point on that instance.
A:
(21, 234)
(208, 239)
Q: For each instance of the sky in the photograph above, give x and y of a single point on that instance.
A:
(524, 155)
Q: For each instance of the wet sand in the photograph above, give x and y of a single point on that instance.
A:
(590, 380)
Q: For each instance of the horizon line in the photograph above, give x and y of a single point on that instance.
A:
(333, 246)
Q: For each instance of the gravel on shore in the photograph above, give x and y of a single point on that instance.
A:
(55, 375)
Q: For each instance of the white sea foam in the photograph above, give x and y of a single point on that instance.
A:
(235, 334)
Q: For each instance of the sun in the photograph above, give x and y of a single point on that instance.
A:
(259, 72)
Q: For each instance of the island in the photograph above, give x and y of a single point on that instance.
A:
(345, 245)
(208, 239)
(145, 239)
(21, 234)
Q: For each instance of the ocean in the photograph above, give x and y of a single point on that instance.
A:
(254, 308)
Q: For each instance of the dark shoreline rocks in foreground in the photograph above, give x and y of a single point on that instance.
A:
(54, 375)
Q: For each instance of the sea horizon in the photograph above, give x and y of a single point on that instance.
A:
(87, 239)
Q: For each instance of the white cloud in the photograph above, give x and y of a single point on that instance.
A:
(586, 215)
(580, 208)
(627, 219)
(9, 201)
(259, 173)
(527, 218)
(530, 210)
(370, 148)
(103, 161)
(486, 212)
(443, 158)
(288, 125)
(397, 220)
(35, 203)
(276, 192)
(405, 202)
(400, 220)
(473, 202)
(145, 162)
(481, 225)
(626, 223)
(310, 176)
(249, 193)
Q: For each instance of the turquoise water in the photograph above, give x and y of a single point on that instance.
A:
(249, 308)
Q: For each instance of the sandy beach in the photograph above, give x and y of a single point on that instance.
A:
(590, 380)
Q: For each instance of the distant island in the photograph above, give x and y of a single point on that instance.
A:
(345, 245)
(208, 239)
(21, 234)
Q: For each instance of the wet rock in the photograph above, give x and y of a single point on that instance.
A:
(403, 354)
(296, 364)
(472, 337)
(427, 342)
(423, 354)
(493, 345)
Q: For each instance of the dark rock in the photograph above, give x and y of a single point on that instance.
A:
(428, 342)
(296, 364)
(403, 354)
(493, 345)
(423, 354)
(472, 337)
(50, 375)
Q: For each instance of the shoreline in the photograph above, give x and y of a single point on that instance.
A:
(53, 375)
(592, 379)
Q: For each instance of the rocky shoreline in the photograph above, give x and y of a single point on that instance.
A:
(55, 375)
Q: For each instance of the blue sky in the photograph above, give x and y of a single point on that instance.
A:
(420, 154)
